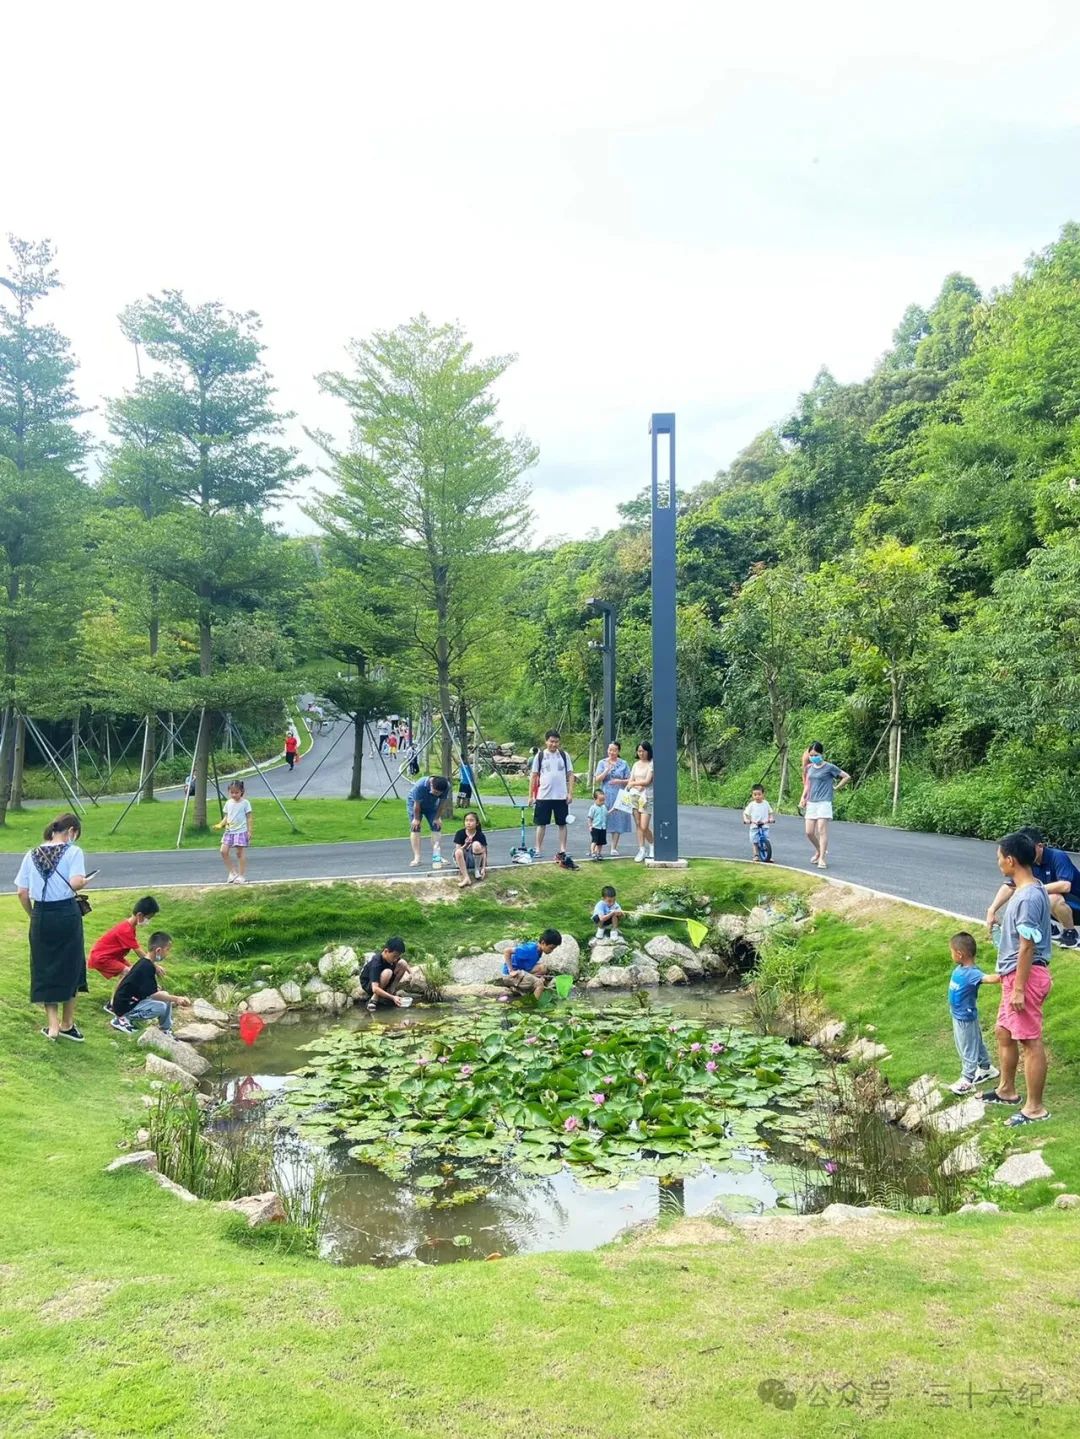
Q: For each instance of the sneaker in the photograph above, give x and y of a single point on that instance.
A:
(1055, 929)
(74, 1032)
(1070, 938)
(650, 854)
(241, 879)
(122, 1025)
(640, 855)
(599, 933)
(962, 1086)
(232, 879)
(982, 1075)
(108, 1007)
(50, 1037)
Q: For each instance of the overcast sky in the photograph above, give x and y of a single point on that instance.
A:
(686, 207)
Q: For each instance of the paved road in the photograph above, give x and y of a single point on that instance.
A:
(949, 873)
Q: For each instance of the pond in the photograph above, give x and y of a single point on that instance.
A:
(493, 1204)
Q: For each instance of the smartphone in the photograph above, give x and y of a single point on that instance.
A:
(90, 876)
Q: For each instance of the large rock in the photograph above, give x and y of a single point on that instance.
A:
(341, 956)
(164, 1069)
(566, 959)
(642, 976)
(761, 919)
(923, 1087)
(958, 1116)
(865, 1051)
(605, 951)
(625, 976)
(985, 1206)
(1021, 1169)
(674, 975)
(171, 1187)
(174, 1050)
(416, 983)
(137, 1159)
(1067, 1201)
(829, 1034)
(966, 1158)
(473, 991)
(291, 992)
(476, 968)
(331, 1000)
(316, 986)
(199, 1033)
(664, 948)
(846, 1213)
(203, 1009)
(714, 965)
(257, 1209)
(266, 1001)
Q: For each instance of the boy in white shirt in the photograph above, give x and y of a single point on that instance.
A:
(759, 816)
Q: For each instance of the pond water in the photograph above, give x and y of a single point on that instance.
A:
(372, 1218)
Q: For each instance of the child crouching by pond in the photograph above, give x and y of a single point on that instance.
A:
(138, 998)
(523, 964)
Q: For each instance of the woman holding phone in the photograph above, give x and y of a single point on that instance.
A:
(48, 884)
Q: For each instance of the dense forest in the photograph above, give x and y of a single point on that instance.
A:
(893, 569)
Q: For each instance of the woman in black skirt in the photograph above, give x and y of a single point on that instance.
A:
(48, 882)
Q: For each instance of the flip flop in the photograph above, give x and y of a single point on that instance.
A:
(993, 1097)
(1014, 1121)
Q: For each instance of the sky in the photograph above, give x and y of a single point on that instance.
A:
(687, 207)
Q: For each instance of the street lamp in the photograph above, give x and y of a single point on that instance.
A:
(665, 726)
(606, 646)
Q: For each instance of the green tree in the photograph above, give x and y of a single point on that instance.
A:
(42, 498)
(205, 424)
(431, 488)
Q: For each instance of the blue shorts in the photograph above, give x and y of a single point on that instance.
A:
(429, 813)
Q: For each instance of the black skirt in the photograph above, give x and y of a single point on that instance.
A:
(57, 953)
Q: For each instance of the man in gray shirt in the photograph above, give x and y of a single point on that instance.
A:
(1024, 965)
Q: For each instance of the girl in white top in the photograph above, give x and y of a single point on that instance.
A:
(640, 790)
(237, 824)
(48, 882)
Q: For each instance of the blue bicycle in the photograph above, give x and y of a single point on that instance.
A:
(759, 838)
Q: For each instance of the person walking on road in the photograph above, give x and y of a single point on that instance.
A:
(553, 789)
(292, 746)
(48, 884)
(822, 780)
(237, 824)
(613, 775)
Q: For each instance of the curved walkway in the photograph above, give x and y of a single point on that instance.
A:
(943, 871)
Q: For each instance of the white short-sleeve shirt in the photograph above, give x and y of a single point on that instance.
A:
(72, 862)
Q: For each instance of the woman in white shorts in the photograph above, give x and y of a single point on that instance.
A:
(822, 780)
(640, 792)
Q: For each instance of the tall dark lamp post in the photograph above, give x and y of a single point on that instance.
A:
(606, 646)
(665, 711)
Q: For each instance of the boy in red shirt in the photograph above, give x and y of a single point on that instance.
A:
(109, 954)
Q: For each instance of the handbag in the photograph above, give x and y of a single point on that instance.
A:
(624, 801)
(85, 907)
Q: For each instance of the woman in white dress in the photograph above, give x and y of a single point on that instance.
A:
(640, 791)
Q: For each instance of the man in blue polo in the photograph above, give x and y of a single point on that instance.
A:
(1059, 876)
(424, 802)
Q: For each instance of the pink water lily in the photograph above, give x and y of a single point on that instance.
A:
(830, 1166)
(587, 1053)
(571, 1124)
(694, 1048)
(710, 1068)
(465, 1071)
(504, 999)
(532, 1039)
(598, 1098)
(423, 1059)
(608, 1079)
(641, 1076)
(673, 1029)
(443, 1059)
(716, 1049)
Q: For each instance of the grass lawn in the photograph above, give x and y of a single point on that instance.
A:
(126, 1313)
(154, 826)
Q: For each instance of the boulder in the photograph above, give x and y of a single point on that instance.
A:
(341, 956)
(476, 968)
(137, 1159)
(416, 983)
(985, 1206)
(142, 1137)
(641, 976)
(266, 1001)
(223, 994)
(891, 1108)
(174, 1050)
(663, 947)
(674, 975)
(203, 1009)
(958, 1116)
(923, 1088)
(845, 1213)
(964, 1159)
(1021, 1169)
(165, 1069)
(611, 976)
(762, 918)
(865, 1051)
(316, 986)
(729, 926)
(291, 992)
(199, 1033)
(473, 991)
(171, 1187)
(566, 959)
(714, 965)
(605, 951)
(829, 1034)
(1067, 1201)
(257, 1209)
(331, 1000)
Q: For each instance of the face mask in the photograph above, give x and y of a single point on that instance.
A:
(817, 759)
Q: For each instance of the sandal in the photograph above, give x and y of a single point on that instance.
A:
(993, 1097)
(1014, 1121)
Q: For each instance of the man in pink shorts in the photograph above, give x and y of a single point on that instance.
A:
(1024, 965)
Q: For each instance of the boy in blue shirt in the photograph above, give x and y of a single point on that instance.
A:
(963, 1005)
(607, 913)
(523, 964)
(597, 824)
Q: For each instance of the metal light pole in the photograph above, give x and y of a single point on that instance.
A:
(665, 727)
(607, 648)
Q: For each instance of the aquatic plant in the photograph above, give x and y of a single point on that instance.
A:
(610, 1092)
